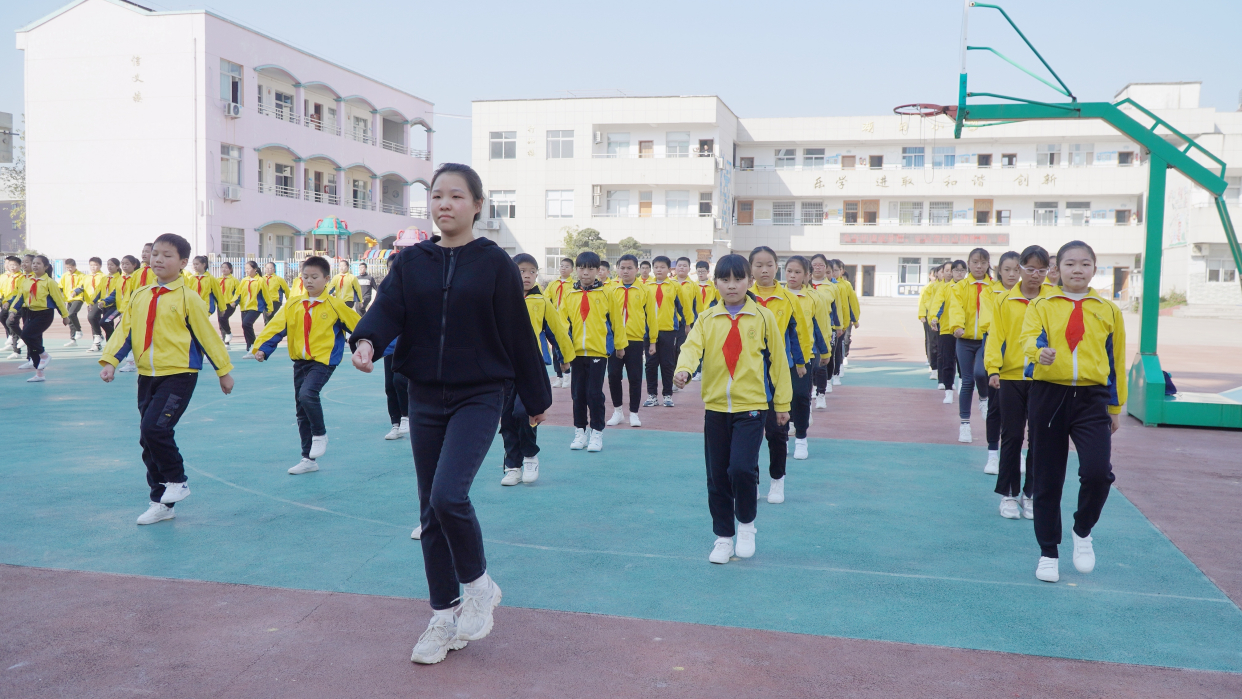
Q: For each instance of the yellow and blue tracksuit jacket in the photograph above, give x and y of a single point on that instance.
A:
(670, 311)
(208, 289)
(108, 290)
(705, 294)
(940, 307)
(92, 286)
(1003, 354)
(252, 295)
(169, 336)
(925, 298)
(118, 296)
(315, 329)
(759, 377)
(297, 288)
(41, 294)
(144, 276)
(794, 324)
(230, 289)
(277, 288)
(548, 325)
(816, 312)
(593, 335)
(346, 288)
(689, 298)
(556, 289)
(828, 291)
(71, 286)
(968, 307)
(636, 307)
(1100, 357)
(10, 286)
(850, 312)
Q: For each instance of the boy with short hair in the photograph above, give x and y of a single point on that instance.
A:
(345, 285)
(204, 284)
(555, 292)
(669, 317)
(605, 274)
(635, 306)
(92, 286)
(277, 290)
(167, 327)
(315, 327)
(143, 274)
(253, 301)
(591, 317)
(72, 284)
(644, 272)
(366, 283)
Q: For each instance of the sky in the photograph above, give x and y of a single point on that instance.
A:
(764, 59)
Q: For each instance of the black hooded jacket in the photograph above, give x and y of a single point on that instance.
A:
(461, 317)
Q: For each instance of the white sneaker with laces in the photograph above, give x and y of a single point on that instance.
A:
(933, 375)
(157, 512)
(992, 467)
(697, 377)
(405, 427)
(248, 355)
(745, 540)
(530, 469)
(596, 442)
(800, 449)
(580, 439)
(319, 445)
(618, 416)
(513, 476)
(651, 401)
(776, 491)
(836, 381)
(228, 339)
(71, 343)
(417, 533)
(556, 382)
(128, 366)
(1084, 553)
(1009, 508)
(963, 433)
(477, 604)
(948, 396)
(722, 550)
(44, 360)
(435, 643)
(668, 401)
(304, 466)
(37, 378)
(1049, 569)
(821, 402)
(939, 387)
(1028, 506)
(394, 433)
(174, 492)
(14, 355)
(634, 421)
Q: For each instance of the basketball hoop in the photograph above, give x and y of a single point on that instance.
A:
(926, 110)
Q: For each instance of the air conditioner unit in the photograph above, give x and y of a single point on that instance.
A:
(232, 109)
(599, 137)
(1199, 250)
(719, 224)
(491, 224)
(597, 194)
(232, 192)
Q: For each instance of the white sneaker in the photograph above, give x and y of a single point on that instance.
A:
(556, 382)
(1009, 508)
(44, 360)
(174, 492)
(845, 361)
(14, 355)
(634, 421)
(248, 355)
(580, 439)
(417, 533)
(71, 343)
(318, 446)
(228, 339)
(404, 427)
(513, 476)
(828, 387)
(1084, 553)
(530, 469)
(821, 402)
(435, 643)
(28, 364)
(1049, 569)
(697, 377)
(836, 381)
(394, 433)
(792, 430)
(933, 375)
(722, 550)
(1028, 506)
(983, 408)
(37, 378)
(597, 441)
(128, 366)
(963, 433)
(800, 450)
(304, 466)
(651, 401)
(776, 491)
(948, 396)
(475, 621)
(992, 467)
(940, 387)
(96, 347)
(668, 401)
(618, 416)
(157, 512)
(745, 540)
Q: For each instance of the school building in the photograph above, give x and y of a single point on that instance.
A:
(890, 195)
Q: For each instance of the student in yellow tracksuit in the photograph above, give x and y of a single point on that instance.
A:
(644, 272)
(741, 347)
(967, 313)
(315, 327)
(928, 293)
(688, 287)
(17, 273)
(253, 301)
(230, 297)
(705, 293)
(144, 273)
(277, 290)
(168, 330)
(40, 299)
(72, 287)
(297, 288)
(1008, 272)
(605, 274)
(205, 285)
(555, 292)
(815, 311)
(1005, 363)
(670, 316)
(92, 284)
(851, 313)
(105, 299)
(821, 283)
(345, 285)
(636, 307)
(520, 438)
(1075, 346)
(592, 317)
(938, 319)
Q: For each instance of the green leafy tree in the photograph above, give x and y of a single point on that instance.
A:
(579, 240)
(631, 246)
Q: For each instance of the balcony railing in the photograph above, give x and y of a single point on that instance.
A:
(278, 112)
(325, 125)
(394, 147)
(954, 223)
(891, 167)
(394, 209)
(280, 190)
(651, 214)
(361, 136)
(418, 212)
(630, 153)
(321, 197)
(363, 204)
(420, 154)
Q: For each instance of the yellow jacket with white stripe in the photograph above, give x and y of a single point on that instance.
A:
(689, 299)
(208, 289)
(230, 292)
(345, 287)
(548, 325)
(1099, 359)
(759, 377)
(793, 323)
(316, 333)
(252, 295)
(967, 307)
(93, 285)
(828, 291)
(10, 285)
(815, 310)
(939, 308)
(556, 290)
(705, 294)
(180, 333)
(593, 335)
(850, 311)
(144, 275)
(925, 298)
(72, 286)
(670, 310)
(41, 294)
(277, 287)
(635, 306)
(1004, 354)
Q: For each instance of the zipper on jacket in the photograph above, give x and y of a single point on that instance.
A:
(450, 265)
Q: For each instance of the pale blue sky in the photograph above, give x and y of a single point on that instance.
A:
(765, 59)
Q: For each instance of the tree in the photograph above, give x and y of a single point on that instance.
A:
(13, 180)
(631, 246)
(582, 239)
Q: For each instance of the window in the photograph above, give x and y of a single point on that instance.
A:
(1078, 212)
(1233, 189)
(361, 193)
(910, 270)
(552, 259)
(1125, 158)
(560, 144)
(284, 247)
(786, 158)
(745, 213)
(232, 242)
(705, 203)
(618, 202)
(850, 211)
(941, 213)
(360, 248)
(618, 145)
(677, 144)
(1009, 160)
(284, 106)
(677, 203)
(230, 82)
(705, 147)
(284, 180)
(644, 204)
(876, 162)
(1222, 270)
(910, 213)
(1081, 154)
(1121, 217)
(504, 145)
(503, 203)
(984, 160)
(782, 213)
(812, 213)
(362, 129)
(1045, 213)
(911, 157)
(230, 164)
(746, 164)
(560, 203)
(847, 162)
(944, 156)
(812, 158)
(1002, 217)
(1048, 155)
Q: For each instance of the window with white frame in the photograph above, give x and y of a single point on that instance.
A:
(677, 144)
(618, 202)
(812, 213)
(230, 164)
(1048, 154)
(812, 158)
(503, 203)
(1125, 158)
(1081, 154)
(786, 158)
(910, 270)
(782, 213)
(232, 242)
(910, 213)
(1222, 269)
(230, 82)
(944, 157)
(911, 157)
(560, 203)
(677, 203)
(560, 144)
(503, 145)
(284, 247)
(1078, 212)
(1046, 213)
(1233, 189)
(284, 180)
(618, 145)
(552, 259)
(941, 213)
(705, 204)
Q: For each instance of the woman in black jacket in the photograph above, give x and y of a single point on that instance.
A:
(457, 304)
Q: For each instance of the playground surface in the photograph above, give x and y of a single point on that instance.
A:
(887, 571)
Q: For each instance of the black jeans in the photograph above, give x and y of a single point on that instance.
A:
(993, 420)
(931, 346)
(557, 359)
(520, 439)
(397, 390)
(162, 401)
(632, 363)
(948, 360)
(35, 324)
(838, 354)
(1058, 414)
(75, 325)
(13, 326)
(451, 429)
(800, 406)
(778, 443)
(248, 319)
(1012, 403)
(309, 378)
(93, 316)
(222, 319)
(974, 376)
(731, 446)
(663, 361)
(586, 388)
(820, 374)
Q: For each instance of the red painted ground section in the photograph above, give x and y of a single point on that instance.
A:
(70, 634)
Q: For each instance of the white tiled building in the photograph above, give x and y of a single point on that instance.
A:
(889, 195)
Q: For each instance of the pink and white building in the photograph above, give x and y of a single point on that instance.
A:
(142, 122)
